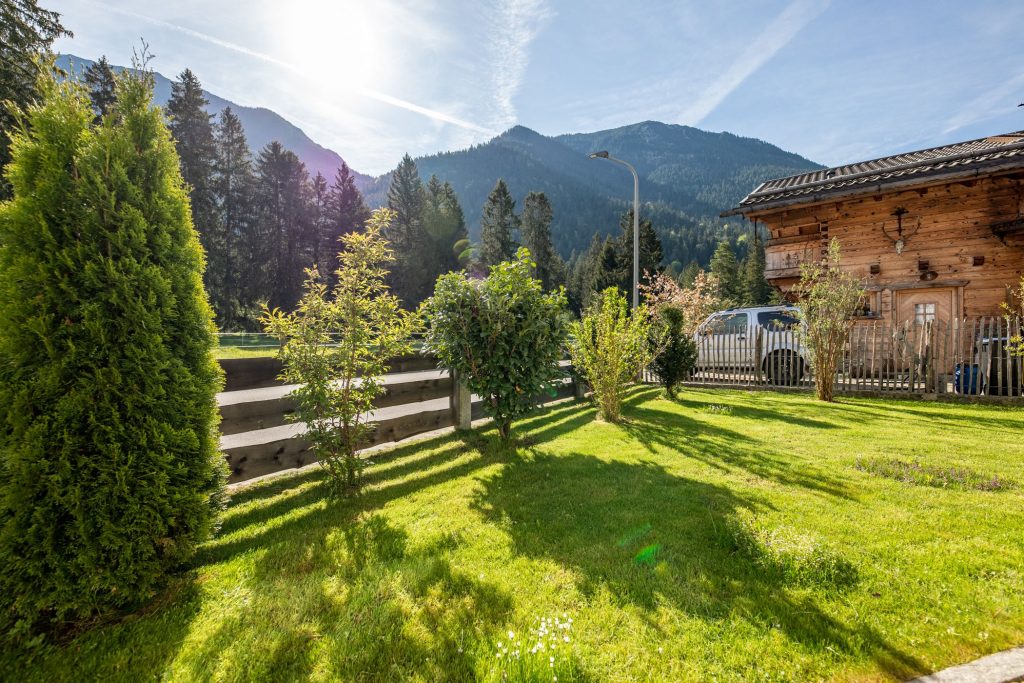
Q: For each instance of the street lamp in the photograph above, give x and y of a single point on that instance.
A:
(636, 221)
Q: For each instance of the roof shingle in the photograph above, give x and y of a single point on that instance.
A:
(962, 158)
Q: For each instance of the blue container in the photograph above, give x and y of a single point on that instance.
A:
(965, 379)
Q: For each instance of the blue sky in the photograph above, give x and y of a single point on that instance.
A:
(834, 81)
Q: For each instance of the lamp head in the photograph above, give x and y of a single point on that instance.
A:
(599, 155)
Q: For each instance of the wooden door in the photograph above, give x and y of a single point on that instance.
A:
(919, 306)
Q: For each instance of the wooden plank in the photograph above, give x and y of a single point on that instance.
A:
(254, 460)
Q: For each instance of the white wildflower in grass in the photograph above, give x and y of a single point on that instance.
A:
(524, 657)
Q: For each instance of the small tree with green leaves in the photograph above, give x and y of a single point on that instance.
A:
(829, 297)
(1013, 308)
(336, 346)
(675, 351)
(502, 335)
(609, 347)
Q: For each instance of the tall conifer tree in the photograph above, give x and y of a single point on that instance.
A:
(285, 234)
(192, 129)
(233, 189)
(346, 213)
(26, 32)
(110, 474)
(536, 230)
(99, 78)
(725, 268)
(757, 291)
(498, 226)
(410, 281)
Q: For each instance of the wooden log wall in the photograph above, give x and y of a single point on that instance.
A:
(949, 226)
(258, 438)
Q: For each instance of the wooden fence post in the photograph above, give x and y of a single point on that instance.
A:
(461, 403)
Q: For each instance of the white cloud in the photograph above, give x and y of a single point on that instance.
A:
(514, 25)
(770, 40)
(990, 104)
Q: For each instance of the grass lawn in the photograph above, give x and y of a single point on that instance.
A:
(244, 351)
(725, 535)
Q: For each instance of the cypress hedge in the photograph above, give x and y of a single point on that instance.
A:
(109, 467)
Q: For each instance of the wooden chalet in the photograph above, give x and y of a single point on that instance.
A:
(936, 234)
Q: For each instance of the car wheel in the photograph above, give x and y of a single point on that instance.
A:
(784, 368)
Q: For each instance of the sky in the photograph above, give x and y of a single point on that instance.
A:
(836, 82)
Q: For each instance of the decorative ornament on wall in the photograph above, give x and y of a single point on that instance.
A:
(901, 235)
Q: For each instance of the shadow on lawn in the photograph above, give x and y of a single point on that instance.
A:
(651, 538)
(719, 447)
(352, 599)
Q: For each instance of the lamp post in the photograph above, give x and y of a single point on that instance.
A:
(636, 221)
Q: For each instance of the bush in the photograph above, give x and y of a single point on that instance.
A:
(337, 348)
(829, 297)
(502, 335)
(675, 352)
(610, 347)
(109, 467)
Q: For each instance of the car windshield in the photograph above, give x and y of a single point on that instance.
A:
(728, 323)
(776, 320)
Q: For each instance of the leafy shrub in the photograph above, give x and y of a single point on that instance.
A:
(502, 335)
(609, 347)
(336, 347)
(109, 467)
(829, 296)
(675, 351)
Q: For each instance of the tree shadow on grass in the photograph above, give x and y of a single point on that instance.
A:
(723, 449)
(352, 600)
(655, 540)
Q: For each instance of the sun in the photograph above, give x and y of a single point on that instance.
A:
(335, 44)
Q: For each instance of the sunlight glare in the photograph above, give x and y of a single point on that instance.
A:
(336, 44)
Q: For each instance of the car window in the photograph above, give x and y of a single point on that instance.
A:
(729, 323)
(776, 320)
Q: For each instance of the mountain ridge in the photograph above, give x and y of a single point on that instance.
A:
(262, 125)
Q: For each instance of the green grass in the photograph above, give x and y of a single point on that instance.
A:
(691, 543)
(244, 351)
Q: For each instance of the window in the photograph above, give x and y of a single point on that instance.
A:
(924, 313)
(729, 323)
(776, 320)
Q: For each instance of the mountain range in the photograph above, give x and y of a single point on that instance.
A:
(262, 126)
(687, 175)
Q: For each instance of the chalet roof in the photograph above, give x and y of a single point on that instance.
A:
(970, 158)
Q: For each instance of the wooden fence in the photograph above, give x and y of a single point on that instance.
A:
(970, 357)
(258, 438)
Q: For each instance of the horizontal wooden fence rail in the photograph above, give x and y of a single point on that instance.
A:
(258, 438)
(967, 357)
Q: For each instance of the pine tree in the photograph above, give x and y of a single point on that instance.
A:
(285, 235)
(348, 211)
(110, 474)
(536, 230)
(26, 32)
(192, 129)
(725, 268)
(461, 249)
(445, 226)
(411, 281)
(99, 78)
(651, 252)
(498, 226)
(233, 189)
(319, 219)
(757, 291)
(689, 274)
